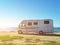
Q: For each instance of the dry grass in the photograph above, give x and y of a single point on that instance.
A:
(28, 39)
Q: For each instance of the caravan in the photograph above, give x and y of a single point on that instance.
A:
(37, 26)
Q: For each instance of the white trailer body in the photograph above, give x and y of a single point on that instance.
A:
(36, 26)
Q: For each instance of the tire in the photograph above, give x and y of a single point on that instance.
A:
(41, 32)
(20, 32)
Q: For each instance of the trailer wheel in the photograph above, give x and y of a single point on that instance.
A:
(41, 32)
(20, 32)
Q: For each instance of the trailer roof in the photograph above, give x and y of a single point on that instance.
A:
(37, 20)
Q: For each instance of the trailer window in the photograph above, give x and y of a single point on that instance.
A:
(29, 23)
(46, 22)
(35, 23)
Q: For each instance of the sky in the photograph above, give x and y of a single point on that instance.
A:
(12, 12)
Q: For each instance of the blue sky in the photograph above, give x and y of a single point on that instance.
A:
(12, 12)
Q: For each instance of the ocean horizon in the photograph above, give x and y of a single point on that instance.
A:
(57, 29)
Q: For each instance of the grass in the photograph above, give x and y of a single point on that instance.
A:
(37, 40)
(52, 43)
(5, 38)
(9, 38)
(29, 39)
(32, 40)
(32, 44)
(7, 44)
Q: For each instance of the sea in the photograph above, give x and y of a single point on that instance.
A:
(57, 29)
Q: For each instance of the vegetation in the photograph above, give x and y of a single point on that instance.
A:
(16, 39)
(7, 44)
(9, 38)
(52, 43)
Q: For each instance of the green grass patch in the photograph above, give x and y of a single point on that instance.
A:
(9, 38)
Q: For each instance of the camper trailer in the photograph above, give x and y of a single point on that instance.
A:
(36, 26)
